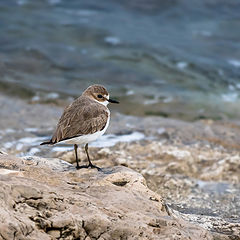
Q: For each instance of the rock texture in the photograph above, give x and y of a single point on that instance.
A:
(198, 181)
(49, 199)
(194, 166)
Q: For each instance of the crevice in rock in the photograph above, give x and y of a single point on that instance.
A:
(155, 225)
(154, 199)
(48, 229)
(3, 238)
(101, 234)
(85, 230)
(120, 183)
(14, 234)
(40, 222)
(31, 204)
(33, 198)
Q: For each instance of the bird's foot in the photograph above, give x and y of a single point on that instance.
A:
(94, 166)
(89, 166)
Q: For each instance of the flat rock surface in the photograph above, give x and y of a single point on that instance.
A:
(48, 199)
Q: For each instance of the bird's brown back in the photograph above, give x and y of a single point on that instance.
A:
(83, 116)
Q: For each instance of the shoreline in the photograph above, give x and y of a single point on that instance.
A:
(193, 165)
(133, 105)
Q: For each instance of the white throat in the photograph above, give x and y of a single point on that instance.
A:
(105, 103)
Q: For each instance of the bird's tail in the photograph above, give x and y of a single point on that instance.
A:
(47, 142)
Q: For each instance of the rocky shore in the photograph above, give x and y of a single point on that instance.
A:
(185, 177)
(50, 199)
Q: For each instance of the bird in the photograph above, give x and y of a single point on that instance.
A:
(83, 121)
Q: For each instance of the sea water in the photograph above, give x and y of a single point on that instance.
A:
(169, 58)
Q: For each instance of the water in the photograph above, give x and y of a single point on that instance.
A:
(174, 59)
(30, 145)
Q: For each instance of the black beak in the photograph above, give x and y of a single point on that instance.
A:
(112, 101)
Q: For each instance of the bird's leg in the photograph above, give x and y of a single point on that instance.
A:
(77, 160)
(90, 164)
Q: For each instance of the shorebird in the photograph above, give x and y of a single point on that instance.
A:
(83, 121)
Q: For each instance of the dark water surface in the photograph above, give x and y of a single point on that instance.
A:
(173, 58)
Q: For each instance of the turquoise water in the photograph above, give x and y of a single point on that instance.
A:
(175, 58)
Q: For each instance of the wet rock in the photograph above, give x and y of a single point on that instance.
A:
(51, 201)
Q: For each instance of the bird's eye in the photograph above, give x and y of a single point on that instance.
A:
(99, 96)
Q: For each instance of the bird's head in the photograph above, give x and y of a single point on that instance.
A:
(100, 94)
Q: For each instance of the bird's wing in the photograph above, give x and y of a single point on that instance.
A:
(82, 117)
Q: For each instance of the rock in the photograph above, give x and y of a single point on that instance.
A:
(200, 182)
(194, 166)
(52, 200)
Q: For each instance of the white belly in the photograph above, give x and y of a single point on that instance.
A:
(84, 139)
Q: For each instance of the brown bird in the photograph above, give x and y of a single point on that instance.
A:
(84, 120)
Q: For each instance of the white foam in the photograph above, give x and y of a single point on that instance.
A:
(161, 131)
(9, 130)
(61, 149)
(230, 97)
(204, 33)
(128, 125)
(231, 87)
(19, 146)
(31, 140)
(112, 40)
(35, 98)
(129, 92)
(234, 62)
(182, 65)
(167, 100)
(201, 183)
(8, 145)
(20, 143)
(33, 151)
(111, 139)
(52, 95)
(31, 129)
(85, 12)
(108, 140)
(150, 101)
